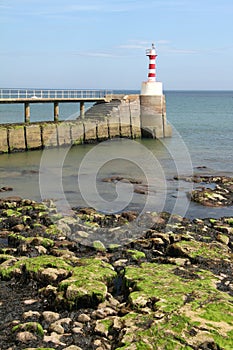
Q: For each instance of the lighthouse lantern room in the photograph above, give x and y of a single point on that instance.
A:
(152, 87)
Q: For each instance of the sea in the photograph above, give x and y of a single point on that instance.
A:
(122, 174)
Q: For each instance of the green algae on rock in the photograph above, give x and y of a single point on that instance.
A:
(33, 327)
(193, 249)
(88, 283)
(33, 266)
(183, 304)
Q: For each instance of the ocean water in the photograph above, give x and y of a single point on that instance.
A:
(202, 143)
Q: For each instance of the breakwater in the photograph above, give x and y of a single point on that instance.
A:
(123, 116)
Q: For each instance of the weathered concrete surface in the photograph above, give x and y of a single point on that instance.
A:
(114, 126)
(90, 131)
(33, 136)
(153, 117)
(77, 133)
(103, 129)
(16, 138)
(64, 134)
(3, 140)
(49, 135)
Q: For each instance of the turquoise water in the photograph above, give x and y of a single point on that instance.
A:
(202, 142)
(205, 121)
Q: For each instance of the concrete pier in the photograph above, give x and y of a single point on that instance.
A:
(130, 116)
(153, 117)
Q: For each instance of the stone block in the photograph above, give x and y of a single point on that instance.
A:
(136, 128)
(114, 126)
(77, 133)
(49, 135)
(33, 136)
(103, 129)
(17, 138)
(89, 130)
(64, 134)
(3, 140)
(125, 125)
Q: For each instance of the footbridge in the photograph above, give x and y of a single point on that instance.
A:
(28, 96)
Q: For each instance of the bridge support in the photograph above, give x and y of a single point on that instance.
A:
(27, 112)
(82, 109)
(56, 111)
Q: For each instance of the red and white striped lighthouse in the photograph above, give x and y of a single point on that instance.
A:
(152, 67)
(151, 87)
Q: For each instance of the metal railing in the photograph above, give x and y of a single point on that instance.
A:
(50, 94)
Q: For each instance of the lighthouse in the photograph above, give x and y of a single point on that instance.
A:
(151, 53)
(151, 86)
(153, 103)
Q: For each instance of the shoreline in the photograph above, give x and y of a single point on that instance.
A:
(168, 285)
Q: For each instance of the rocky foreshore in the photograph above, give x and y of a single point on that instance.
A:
(106, 282)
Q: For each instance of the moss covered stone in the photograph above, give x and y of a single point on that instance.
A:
(88, 282)
(188, 309)
(33, 266)
(193, 249)
(33, 327)
(136, 254)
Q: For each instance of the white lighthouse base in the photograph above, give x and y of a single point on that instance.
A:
(152, 88)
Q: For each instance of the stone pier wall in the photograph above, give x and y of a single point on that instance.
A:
(119, 118)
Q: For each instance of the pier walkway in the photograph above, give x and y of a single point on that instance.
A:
(28, 96)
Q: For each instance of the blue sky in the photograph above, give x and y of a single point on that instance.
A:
(101, 43)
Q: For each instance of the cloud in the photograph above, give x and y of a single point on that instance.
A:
(142, 45)
(59, 7)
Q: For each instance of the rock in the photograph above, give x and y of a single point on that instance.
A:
(98, 314)
(223, 239)
(41, 250)
(30, 301)
(52, 275)
(221, 195)
(82, 234)
(73, 347)
(63, 322)
(117, 323)
(142, 189)
(18, 228)
(33, 315)
(56, 327)
(83, 318)
(50, 316)
(77, 330)
(175, 280)
(33, 328)
(102, 326)
(98, 245)
(6, 188)
(25, 337)
(55, 339)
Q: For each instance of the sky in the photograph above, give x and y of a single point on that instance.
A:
(100, 44)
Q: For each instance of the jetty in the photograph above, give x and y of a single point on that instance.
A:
(112, 115)
(28, 96)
